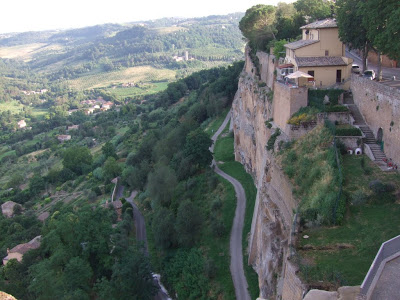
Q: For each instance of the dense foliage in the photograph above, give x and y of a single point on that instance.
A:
(265, 25)
(160, 148)
(311, 164)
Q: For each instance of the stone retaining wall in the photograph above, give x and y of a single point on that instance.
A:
(380, 106)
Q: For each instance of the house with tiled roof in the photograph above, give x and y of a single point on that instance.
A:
(18, 251)
(321, 54)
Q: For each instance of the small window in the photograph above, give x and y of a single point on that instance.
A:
(311, 73)
(326, 52)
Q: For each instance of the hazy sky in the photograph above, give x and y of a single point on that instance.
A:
(31, 15)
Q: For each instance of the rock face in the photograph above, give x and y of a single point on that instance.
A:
(273, 217)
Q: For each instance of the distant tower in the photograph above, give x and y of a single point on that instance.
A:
(186, 55)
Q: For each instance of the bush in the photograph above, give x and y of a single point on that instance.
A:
(304, 115)
(216, 204)
(348, 131)
(97, 191)
(377, 187)
(359, 198)
(272, 139)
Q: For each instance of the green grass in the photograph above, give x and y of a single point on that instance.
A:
(147, 89)
(15, 107)
(142, 74)
(224, 150)
(364, 229)
(218, 248)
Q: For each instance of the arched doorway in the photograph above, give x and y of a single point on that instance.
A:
(379, 137)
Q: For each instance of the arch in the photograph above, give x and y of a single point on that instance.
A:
(379, 135)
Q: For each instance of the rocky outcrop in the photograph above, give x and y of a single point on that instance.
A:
(270, 236)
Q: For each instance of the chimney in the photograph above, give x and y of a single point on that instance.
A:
(8, 250)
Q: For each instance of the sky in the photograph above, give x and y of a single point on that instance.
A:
(35, 15)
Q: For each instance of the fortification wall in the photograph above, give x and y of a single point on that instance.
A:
(287, 101)
(380, 106)
(268, 63)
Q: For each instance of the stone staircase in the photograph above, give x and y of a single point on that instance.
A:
(369, 139)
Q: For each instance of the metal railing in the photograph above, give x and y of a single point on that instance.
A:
(387, 250)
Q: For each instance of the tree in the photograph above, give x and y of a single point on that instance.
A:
(161, 184)
(257, 25)
(279, 48)
(111, 168)
(352, 30)
(188, 223)
(163, 228)
(316, 9)
(109, 150)
(197, 148)
(77, 159)
(132, 277)
(36, 184)
(288, 21)
(382, 22)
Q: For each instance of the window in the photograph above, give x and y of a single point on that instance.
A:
(311, 73)
(326, 52)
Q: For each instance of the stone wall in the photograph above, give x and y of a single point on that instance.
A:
(380, 106)
(342, 117)
(268, 63)
(292, 287)
(287, 101)
(386, 61)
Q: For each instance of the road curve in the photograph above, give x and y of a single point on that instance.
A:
(141, 236)
(236, 250)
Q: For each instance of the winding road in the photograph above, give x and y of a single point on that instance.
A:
(141, 236)
(236, 250)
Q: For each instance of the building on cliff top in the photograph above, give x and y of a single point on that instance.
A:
(321, 54)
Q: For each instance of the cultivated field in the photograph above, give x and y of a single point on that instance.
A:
(143, 74)
(26, 52)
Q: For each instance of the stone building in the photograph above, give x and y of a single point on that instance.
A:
(321, 54)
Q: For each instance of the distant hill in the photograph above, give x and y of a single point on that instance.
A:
(69, 54)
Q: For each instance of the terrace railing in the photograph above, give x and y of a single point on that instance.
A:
(388, 251)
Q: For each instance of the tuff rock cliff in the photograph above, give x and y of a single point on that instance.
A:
(271, 233)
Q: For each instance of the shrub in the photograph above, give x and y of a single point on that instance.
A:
(377, 187)
(359, 198)
(216, 204)
(304, 115)
(272, 139)
(348, 131)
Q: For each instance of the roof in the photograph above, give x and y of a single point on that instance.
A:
(299, 44)
(326, 23)
(285, 66)
(8, 205)
(23, 248)
(320, 61)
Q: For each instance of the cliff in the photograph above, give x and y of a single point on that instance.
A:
(270, 238)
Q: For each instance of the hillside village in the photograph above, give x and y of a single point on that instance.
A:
(362, 113)
(272, 178)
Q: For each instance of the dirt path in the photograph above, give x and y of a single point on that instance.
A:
(236, 251)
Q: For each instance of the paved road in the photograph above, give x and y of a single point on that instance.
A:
(236, 251)
(386, 72)
(141, 236)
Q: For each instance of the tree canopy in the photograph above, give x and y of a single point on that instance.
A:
(258, 25)
(77, 159)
